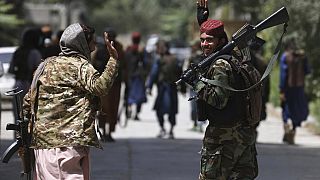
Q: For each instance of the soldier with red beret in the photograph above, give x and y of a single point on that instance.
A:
(228, 150)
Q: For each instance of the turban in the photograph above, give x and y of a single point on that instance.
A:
(212, 27)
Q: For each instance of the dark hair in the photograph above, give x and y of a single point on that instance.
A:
(88, 32)
(31, 38)
(112, 34)
(163, 44)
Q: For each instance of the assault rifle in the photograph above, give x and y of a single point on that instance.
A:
(23, 138)
(241, 38)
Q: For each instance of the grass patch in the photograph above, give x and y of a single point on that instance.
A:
(314, 111)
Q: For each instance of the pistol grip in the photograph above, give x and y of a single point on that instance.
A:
(12, 127)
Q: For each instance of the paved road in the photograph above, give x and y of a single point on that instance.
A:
(138, 155)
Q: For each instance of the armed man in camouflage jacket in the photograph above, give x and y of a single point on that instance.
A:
(63, 106)
(228, 150)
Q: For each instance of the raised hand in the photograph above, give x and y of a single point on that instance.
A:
(202, 11)
(110, 46)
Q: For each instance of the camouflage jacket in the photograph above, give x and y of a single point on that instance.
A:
(216, 96)
(66, 103)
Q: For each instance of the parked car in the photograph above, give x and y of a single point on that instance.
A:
(7, 80)
(181, 50)
(151, 43)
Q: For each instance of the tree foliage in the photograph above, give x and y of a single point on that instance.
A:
(173, 18)
(126, 15)
(157, 16)
(8, 23)
(304, 27)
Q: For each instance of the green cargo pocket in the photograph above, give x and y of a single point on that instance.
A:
(211, 163)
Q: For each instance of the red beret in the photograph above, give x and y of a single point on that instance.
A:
(212, 27)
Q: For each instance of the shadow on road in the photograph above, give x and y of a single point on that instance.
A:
(162, 159)
(287, 162)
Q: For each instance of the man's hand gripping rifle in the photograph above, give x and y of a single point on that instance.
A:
(241, 38)
(23, 138)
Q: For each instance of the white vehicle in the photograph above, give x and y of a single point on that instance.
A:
(7, 80)
(151, 43)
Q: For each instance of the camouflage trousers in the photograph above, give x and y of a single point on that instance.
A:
(228, 161)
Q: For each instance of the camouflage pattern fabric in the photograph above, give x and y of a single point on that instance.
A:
(66, 102)
(68, 90)
(216, 96)
(229, 152)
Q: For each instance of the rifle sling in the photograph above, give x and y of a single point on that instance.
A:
(35, 92)
(265, 74)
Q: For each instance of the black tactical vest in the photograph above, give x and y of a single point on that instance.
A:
(233, 113)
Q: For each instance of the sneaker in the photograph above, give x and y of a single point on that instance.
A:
(171, 136)
(161, 134)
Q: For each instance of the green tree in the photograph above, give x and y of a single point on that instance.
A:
(126, 16)
(303, 26)
(172, 18)
(8, 23)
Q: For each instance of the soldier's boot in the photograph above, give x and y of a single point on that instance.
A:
(286, 128)
(291, 136)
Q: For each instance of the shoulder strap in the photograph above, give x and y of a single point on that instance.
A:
(265, 74)
(35, 83)
(34, 90)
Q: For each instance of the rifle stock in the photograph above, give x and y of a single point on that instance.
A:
(240, 38)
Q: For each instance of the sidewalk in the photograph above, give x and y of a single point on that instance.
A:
(271, 131)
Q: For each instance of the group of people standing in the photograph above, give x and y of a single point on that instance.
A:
(68, 89)
(139, 71)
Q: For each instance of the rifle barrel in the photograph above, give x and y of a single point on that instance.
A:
(279, 17)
